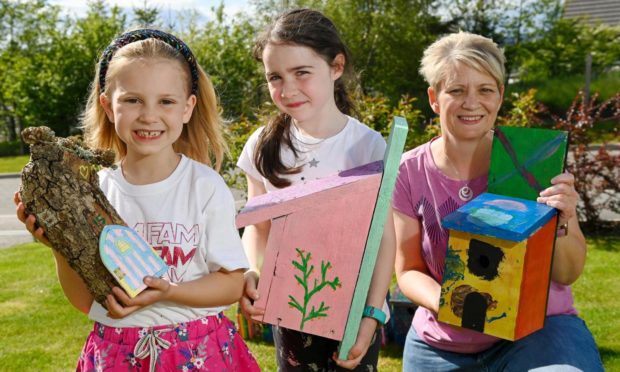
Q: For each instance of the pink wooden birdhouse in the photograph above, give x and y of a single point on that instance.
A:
(323, 244)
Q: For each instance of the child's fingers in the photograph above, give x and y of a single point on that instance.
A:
(17, 198)
(122, 297)
(157, 283)
(20, 210)
(116, 310)
(39, 234)
(349, 363)
(35, 230)
(250, 285)
(248, 309)
(250, 291)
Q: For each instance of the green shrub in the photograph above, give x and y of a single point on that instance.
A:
(12, 148)
(558, 93)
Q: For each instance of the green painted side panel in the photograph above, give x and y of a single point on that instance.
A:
(391, 161)
(524, 160)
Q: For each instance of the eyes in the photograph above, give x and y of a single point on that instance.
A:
(484, 90)
(299, 74)
(136, 100)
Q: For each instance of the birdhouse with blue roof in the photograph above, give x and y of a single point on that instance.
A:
(498, 263)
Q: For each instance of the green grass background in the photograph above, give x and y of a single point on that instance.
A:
(42, 332)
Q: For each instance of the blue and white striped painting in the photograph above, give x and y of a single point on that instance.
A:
(129, 258)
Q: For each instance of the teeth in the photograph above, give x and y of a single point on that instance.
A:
(148, 133)
(471, 118)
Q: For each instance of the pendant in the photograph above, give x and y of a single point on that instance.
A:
(466, 193)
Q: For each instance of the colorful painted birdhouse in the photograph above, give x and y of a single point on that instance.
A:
(323, 244)
(498, 261)
(496, 275)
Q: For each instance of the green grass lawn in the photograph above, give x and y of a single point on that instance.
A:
(42, 332)
(13, 164)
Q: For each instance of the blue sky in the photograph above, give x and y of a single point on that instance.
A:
(78, 7)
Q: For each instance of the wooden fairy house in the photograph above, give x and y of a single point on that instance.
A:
(498, 261)
(60, 187)
(323, 244)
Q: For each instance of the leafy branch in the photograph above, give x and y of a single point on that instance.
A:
(304, 280)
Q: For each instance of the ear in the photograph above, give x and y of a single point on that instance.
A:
(107, 106)
(337, 66)
(189, 108)
(432, 100)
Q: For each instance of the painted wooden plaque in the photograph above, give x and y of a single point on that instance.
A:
(129, 258)
(317, 257)
(523, 160)
(498, 265)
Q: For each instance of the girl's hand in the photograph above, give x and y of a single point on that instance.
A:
(368, 328)
(561, 195)
(119, 304)
(29, 220)
(250, 294)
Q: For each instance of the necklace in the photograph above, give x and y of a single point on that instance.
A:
(297, 133)
(465, 192)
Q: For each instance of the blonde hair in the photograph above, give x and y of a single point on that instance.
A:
(475, 51)
(201, 138)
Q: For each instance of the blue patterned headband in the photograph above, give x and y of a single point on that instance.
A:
(143, 34)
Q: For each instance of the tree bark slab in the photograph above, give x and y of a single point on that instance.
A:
(60, 187)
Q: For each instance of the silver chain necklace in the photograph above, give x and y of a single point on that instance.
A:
(465, 192)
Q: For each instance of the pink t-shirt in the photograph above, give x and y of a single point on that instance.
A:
(425, 193)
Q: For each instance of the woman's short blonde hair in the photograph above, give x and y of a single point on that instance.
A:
(473, 50)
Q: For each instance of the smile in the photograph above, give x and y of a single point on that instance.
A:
(149, 133)
(471, 118)
(294, 104)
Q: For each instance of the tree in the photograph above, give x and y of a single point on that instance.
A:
(223, 48)
(28, 28)
(386, 39)
(146, 16)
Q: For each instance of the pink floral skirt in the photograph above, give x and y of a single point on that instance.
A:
(207, 344)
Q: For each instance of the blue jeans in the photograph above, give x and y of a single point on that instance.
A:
(564, 344)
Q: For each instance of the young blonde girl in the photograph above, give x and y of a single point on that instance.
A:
(154, 105)
(306, 65)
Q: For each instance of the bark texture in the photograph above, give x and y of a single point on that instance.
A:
(61, 188)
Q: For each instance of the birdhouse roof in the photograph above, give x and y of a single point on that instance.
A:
(500, 216)
(291, 199)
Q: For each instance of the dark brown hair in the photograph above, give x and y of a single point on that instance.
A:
(312, 29)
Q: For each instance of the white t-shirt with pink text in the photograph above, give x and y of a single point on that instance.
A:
(189, 219)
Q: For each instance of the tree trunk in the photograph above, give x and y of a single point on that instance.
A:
(60, 187)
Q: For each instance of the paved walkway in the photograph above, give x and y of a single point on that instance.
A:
(11, 230)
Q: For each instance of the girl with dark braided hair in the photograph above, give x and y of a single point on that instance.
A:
(307, 65)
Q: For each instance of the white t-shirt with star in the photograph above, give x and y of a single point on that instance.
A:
(356, 144)
(189, 219)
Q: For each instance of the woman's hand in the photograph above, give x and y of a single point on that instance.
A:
(561, 195)
(250, 294)
(119, 304)
(29, 220)
(365, 335)
(569, 255)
